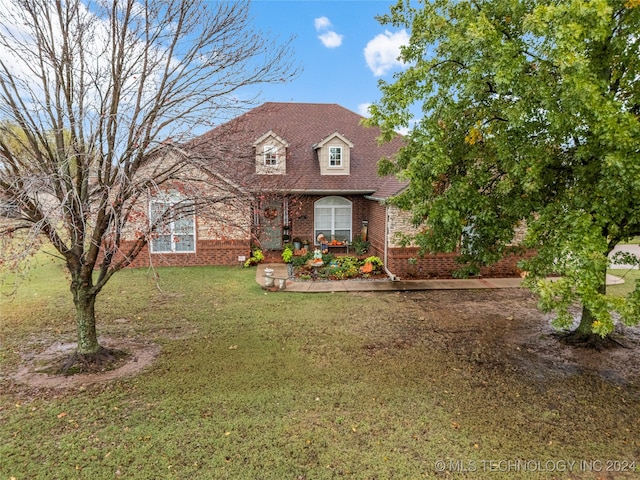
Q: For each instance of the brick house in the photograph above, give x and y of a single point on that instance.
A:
(311, 169)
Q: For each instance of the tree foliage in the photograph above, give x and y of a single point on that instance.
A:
(527, 112)
(95, 99)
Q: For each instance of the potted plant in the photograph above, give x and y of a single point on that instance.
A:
(287, 257)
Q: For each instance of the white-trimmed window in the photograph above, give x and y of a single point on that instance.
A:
(175, 227)
(332, 217)
(335, 156)
(270, 155)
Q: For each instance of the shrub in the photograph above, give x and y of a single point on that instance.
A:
(255, 259)
(287, 254)
(375, 262)
(348, 261)
(327, 258)
(360, 246)
(348, 267)
(349, 271)
(300, 260)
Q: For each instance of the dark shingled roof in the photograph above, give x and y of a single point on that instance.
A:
(301, 125)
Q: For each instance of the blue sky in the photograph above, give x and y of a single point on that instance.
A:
(331, 38)
(343, 51)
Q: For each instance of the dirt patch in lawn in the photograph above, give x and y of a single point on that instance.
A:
(33, 371)
(502, 331)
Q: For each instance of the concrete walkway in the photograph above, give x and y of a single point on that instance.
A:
(280, 272)
(633, 249)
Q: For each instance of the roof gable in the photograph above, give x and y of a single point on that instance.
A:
(270, 134)
(331, 137)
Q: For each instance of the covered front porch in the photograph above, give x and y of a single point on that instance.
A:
(344, 221)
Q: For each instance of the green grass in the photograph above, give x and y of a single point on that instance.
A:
(631, 278)
(253, 384)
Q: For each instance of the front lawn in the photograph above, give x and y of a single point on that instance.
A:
(631, 277)
(252, 384)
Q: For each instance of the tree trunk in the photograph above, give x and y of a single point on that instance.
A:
(584, 328)
(583, 335)
(84, 301)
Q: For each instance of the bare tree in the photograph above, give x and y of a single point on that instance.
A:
(95, 97)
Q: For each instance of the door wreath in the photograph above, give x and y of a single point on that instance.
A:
(270, 213)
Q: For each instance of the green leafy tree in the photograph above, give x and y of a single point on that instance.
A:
(528, 114)
(95, 99)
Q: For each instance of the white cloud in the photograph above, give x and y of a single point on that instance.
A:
(383, 51)
(363, 109)
(329, 38)
(322, 23)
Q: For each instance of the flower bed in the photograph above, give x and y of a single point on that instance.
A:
(345, 267)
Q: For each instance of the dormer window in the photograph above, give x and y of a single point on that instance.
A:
(270, 156)
(335, 156)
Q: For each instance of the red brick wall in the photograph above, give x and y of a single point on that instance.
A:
(208, 252)
(377, 228)
(302, 219)
(442, 265)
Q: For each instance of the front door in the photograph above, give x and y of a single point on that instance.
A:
(271, 225)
